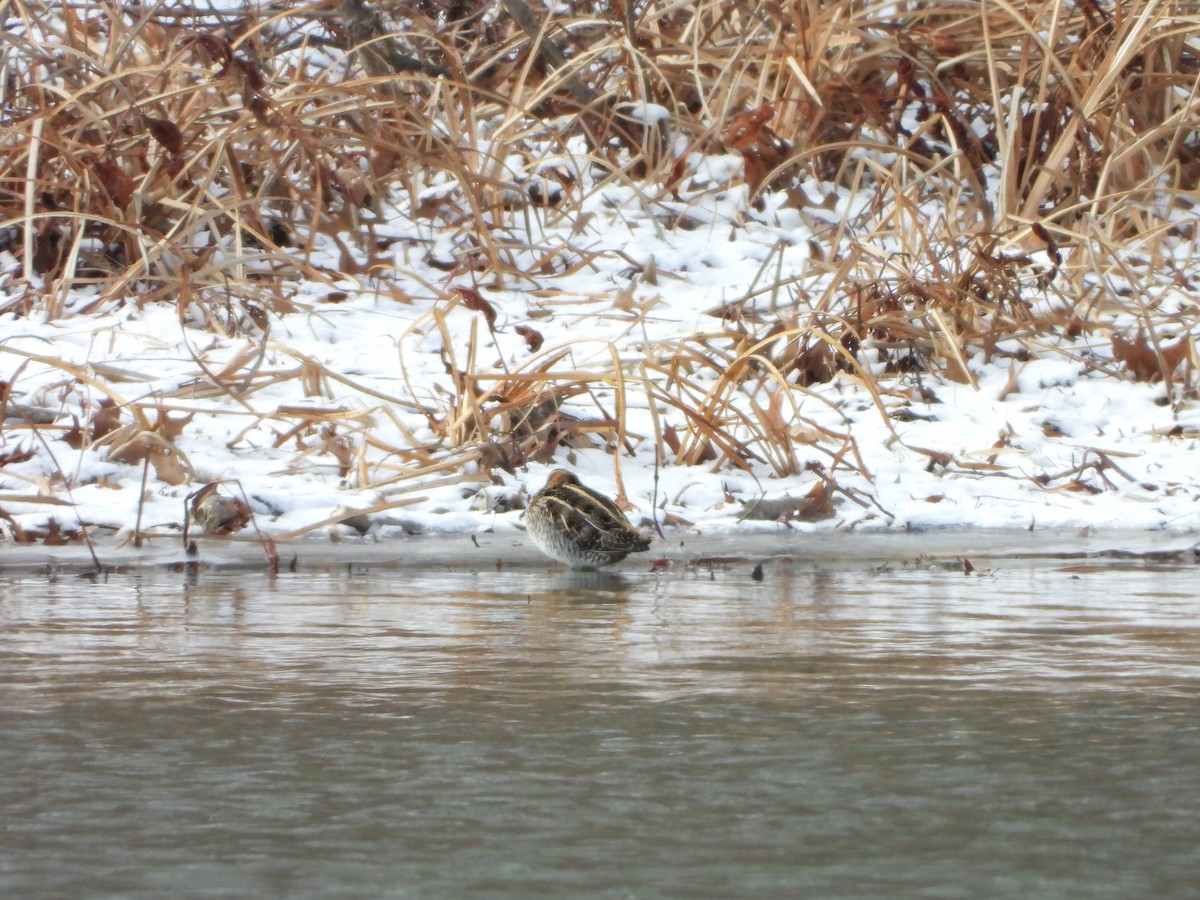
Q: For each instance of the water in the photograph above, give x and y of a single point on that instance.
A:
(828, 732)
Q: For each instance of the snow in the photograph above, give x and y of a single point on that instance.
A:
(1052, 442)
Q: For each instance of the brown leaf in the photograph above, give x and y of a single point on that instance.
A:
(258, 316)
(1138, 356)
(743, 129)
(938, 43)
(260, 107)
(814, 506)
(533, 337)
(706, 452)
(675, 521)
(763, 152)
(133, 447)
(473, 300)
(1051, 247)
(54, 536)
(1000, 444)
(18, 533)
(671, 439)
(168, 466)
(166, 133)
(209, 46)
(250, 75)
(817, 503)
(678, 171)
(75, 438)
(107, 419)
(624, 300)
(735, 311)
(954, 371)
(19, 455)
(1013, 384)
(114, 180)
(815, 365)
(762, 159)
(1143, 362)
(938, 459)
(171, 428)
(48, 250)
(341, 446)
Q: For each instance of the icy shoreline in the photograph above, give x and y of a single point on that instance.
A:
(986, 553)
(436, 408)
(1041, 444)
(404, 326)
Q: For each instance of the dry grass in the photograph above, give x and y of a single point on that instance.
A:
(1026, 174)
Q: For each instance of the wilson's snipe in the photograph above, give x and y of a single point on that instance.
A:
(575, 525)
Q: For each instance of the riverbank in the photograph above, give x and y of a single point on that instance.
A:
(286, 303)
(967, 553)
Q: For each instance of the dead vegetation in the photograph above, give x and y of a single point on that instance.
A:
(1023, 182)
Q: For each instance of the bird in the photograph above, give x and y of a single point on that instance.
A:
(575, 525)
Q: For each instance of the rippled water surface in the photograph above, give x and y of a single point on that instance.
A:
(823, 733)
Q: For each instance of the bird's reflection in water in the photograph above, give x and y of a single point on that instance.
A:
(603, 586)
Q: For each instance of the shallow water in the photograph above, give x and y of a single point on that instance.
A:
(829, 733)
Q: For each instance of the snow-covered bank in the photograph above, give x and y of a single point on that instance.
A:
(354, 399)
(936, 271)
